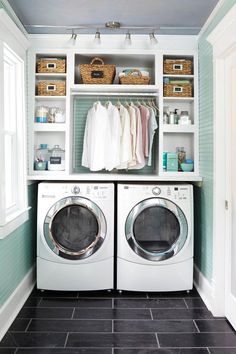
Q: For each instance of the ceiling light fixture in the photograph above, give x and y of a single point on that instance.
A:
(112, 24)
(97, 38)
(153, 39)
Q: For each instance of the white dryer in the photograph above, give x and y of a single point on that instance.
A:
(155, 237)
(75, 236)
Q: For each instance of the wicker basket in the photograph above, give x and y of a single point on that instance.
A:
(134, 80)
(97, 73)
(178, 90)
(51, 88)
(51, 65)
(178, 66)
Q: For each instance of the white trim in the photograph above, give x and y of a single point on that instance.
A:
(211, 17)
(203, 287)
(11, 225)
(14, 303)
(12, 35)
(223, 39)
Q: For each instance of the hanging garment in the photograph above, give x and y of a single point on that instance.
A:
(125, 141)
(96, 138)
(145, 114)
(140, 160)
(151, 131)
(113, 151)
(133, 132)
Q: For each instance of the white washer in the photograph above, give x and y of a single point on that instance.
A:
(75, 236)
(155, 237)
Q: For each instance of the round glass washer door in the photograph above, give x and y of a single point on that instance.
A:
(74, 228)
(156, 229)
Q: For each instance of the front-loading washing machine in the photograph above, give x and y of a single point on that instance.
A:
(155, 237)
(75, 236)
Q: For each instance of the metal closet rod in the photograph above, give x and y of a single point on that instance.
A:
(125, 94)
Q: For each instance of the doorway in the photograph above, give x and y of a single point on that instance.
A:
(223, 40)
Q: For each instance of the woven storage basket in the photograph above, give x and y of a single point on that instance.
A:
(51, 65)
(178, 90)
(134, 80)
(97, 73)
(51, 88)
(178, 66)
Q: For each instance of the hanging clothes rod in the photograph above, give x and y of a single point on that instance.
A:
(125, 94)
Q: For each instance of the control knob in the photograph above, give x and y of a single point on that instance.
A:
(75, 190)
(156, 190)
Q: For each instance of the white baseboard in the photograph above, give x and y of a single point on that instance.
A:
(14, 303)
(204, 288)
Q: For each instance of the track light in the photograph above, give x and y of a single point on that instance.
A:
(128, 41)
(97, 38)
(72, 39)
(153, 39)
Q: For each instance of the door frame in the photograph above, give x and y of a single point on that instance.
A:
(223, 41)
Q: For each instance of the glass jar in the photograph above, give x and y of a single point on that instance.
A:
(51, 114)
(181, 156)
(41, 114)
(41, 157)
(56, 159)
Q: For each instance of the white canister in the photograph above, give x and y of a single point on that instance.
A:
(172, 118)
(59, 116)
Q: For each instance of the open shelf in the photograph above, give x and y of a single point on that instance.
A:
(177, 128)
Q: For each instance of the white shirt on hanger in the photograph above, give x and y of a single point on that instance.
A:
(133, 137)
(139, 141)
(96, 138)
(125, 142)
(113, 150)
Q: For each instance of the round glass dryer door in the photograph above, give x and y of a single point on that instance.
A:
(156, 229)
(75, 228)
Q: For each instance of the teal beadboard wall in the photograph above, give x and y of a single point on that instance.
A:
(17, 251)
(81, 107)
(204, 196)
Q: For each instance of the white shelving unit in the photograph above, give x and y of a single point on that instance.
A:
(177, 135)
(168, 136)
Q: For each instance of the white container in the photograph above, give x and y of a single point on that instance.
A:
(184, 118)
(172, 118)
(59, 116)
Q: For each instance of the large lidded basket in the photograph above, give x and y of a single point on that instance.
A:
(97, 72)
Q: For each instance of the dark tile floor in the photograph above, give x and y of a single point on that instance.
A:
(114, 323)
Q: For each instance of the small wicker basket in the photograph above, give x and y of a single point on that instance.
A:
(178, 90)
(134, 80)
(51, 65)
(51, 88)
(178, 66)
(97, 73)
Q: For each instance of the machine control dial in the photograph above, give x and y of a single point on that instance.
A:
(75, 190)
(156, 190)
